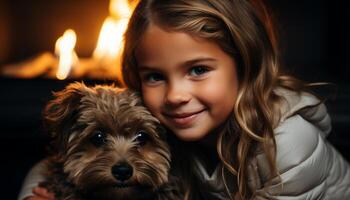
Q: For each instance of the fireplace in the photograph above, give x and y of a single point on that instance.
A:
(29, 31)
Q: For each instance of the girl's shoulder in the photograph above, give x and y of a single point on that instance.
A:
(305, 105)
(306, 162)
(302, 129)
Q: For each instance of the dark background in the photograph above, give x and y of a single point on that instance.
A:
(315, 47)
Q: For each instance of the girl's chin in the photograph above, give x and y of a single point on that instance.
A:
(189, 135)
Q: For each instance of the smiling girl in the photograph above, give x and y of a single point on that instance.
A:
(210, 72)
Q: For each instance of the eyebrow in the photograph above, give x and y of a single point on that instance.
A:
(196, 60)
(186, 63)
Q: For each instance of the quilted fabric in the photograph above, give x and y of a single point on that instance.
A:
(309, 166)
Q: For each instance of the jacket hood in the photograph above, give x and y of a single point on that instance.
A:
(307, 106)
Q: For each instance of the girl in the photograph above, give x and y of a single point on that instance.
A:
(238, 127)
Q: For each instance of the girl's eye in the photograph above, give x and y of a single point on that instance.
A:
(98, 138)
(198, 70)
(153, 77)
(142, 137)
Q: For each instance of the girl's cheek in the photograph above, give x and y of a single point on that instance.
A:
(151, 100)
(215, 90)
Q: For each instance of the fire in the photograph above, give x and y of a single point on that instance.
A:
(64, 48)
(105, 60)
(109, 45)
(120, 9)
(110, 41)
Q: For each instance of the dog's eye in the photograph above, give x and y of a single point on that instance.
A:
(142, 137)
(98, 138)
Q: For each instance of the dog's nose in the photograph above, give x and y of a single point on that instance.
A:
(122, 172)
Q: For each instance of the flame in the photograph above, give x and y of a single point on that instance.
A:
(120, 9)
(110, 42)
(64, 48)
(106, 56)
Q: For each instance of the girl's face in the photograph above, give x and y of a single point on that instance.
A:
(188, 83)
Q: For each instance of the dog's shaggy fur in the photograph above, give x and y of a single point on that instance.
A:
(107, 146)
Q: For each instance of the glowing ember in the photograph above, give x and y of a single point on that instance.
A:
(64, 48)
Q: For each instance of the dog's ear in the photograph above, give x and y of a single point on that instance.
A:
(60, 113)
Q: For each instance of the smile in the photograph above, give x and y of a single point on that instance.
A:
(183, 119)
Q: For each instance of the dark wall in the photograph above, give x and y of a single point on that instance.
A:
(315, 38)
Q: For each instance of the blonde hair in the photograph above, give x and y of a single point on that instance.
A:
(244, 30)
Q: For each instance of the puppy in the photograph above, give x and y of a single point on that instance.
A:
(107, 146)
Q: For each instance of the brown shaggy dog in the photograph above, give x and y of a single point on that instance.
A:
(107, 146)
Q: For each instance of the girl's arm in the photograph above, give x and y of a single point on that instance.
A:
(30, 190)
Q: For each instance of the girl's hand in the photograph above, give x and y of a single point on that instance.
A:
(41, 194)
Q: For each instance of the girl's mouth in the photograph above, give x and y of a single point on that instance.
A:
(183, 119)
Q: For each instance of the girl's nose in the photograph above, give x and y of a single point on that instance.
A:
(177, 94)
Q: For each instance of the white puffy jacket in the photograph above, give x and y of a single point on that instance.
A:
(309, 166)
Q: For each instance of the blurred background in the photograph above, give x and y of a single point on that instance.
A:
(314, 38)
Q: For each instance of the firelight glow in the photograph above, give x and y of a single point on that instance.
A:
(64, 48)
(110, 41)
(109, 45)
(120, 9)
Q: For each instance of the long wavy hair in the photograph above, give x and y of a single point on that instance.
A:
(244, 30)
